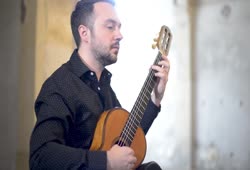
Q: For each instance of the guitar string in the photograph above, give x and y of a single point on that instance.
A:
(127, 130)
(129, 126)
(138, 111)
(134, 117)
(133, 122)
(142, 104)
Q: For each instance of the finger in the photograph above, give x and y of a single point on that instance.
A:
(164, 57)
(130, 151)
(164, 64)
(162, 77)
(160, 70)
(131, 166)
(133, 160)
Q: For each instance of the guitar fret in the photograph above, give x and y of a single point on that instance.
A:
(146, 93)
(145, 102)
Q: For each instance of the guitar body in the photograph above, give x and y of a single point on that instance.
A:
(109, 129)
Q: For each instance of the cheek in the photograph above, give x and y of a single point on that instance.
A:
(102, 38)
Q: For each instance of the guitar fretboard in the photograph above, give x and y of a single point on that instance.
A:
(139, 108)
(137, 112)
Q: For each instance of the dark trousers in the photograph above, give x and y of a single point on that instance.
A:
(149, 166)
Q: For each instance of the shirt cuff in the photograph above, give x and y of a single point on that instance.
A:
(153, 107)
(97, 160)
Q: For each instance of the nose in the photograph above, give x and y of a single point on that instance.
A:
(118, 35)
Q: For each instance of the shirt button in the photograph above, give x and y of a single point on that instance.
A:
(99, 88)
(91, 73)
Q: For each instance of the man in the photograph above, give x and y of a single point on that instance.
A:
(74, 96)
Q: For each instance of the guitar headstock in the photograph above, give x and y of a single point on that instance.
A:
(163, 41)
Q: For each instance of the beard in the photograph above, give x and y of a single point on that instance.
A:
(103, 53)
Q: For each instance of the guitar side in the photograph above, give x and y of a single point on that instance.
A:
(108, 131)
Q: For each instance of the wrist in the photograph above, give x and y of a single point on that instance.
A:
(109, 167)
(155, 100)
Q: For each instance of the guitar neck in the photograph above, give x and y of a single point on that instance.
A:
(163, 44)
(140, 105)
(145, 93)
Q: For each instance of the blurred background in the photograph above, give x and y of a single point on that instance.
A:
(204, 123)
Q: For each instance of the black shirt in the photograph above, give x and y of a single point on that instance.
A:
(67, 110)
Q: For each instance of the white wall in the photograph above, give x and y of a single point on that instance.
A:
(222, 85)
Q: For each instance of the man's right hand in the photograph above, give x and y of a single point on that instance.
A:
(122, 158)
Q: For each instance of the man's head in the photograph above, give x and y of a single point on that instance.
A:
(84, 15)
(96, 29)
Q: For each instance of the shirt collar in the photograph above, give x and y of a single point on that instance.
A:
(79, 68)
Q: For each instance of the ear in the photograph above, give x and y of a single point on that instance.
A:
(84, 33)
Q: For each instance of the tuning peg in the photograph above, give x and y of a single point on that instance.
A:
(155, 39)
(154, 46)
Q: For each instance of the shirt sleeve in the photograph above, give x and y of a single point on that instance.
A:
(149, 116)
(48, 149)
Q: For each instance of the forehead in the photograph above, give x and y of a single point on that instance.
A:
(105, 12)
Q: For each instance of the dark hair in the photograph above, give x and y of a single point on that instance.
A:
(83, 15)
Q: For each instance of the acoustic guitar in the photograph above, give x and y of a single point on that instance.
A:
(118, 126)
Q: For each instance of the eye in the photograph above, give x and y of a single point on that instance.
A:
(110, 27)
